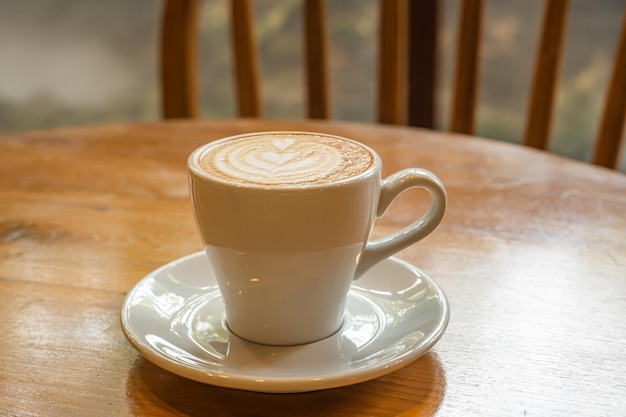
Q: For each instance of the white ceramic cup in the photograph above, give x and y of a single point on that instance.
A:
(285, 255)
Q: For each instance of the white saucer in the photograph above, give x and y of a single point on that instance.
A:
(174, 318)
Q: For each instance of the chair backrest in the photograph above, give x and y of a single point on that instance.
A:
(178, 60)
(544, 81)
(407, 70)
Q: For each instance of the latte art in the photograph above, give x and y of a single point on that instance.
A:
(285, 159)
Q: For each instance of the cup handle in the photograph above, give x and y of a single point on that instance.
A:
(379, 249)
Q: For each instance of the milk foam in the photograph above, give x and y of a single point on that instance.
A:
(285, 159)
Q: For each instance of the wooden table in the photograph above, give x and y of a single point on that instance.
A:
(531, 253)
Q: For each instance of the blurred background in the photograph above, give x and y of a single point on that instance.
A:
(68, 62)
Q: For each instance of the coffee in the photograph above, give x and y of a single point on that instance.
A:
(285, 159)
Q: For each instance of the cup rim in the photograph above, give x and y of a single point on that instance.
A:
(193, 166)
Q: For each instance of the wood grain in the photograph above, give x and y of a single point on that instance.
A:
(531, 253)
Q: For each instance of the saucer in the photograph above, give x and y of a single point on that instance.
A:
(175, 318)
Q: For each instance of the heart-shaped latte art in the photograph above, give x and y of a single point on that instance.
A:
(278, 158)
(271, 164)
(283, 143)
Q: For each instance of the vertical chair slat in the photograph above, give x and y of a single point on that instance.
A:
(465, 81)
(545, 75)
(245, 60)
(178, 57)
(391, 62)
(422, 62)
(316, 64)
(611, 131)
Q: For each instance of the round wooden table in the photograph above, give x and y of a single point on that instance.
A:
(531, 254)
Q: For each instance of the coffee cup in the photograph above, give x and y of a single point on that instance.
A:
(285, 219)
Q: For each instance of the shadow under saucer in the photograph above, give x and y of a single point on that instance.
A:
(418, 387)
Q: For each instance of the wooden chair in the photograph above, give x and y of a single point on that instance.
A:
(406, 82)
(544, 81)
(178, 60)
